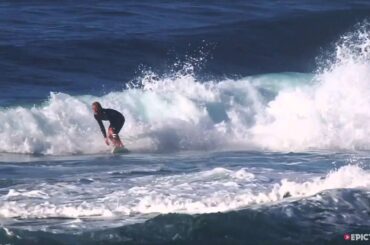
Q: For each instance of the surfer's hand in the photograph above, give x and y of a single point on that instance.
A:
(106, 141)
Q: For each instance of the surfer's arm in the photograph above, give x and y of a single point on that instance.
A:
(101, 125)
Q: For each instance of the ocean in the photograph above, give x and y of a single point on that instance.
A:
(247, 122)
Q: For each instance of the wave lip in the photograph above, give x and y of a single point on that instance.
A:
(330, 113)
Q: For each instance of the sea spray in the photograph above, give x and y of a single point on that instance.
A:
(331, 113)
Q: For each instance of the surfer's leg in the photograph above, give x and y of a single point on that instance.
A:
(116, 128)
(113, 136)
(110, 135)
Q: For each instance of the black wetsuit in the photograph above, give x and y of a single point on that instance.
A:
(115, 118)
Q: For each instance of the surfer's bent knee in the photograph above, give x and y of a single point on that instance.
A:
(112, 133)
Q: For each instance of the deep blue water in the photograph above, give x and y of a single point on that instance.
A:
(97, 47)
(247, 122)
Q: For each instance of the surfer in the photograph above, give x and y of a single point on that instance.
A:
(116, 120)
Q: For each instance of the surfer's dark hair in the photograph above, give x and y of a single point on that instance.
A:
(97, 105)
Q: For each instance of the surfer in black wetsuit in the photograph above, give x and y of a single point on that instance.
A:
(116, 120)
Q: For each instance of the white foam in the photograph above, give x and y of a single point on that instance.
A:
(24, 193)
(215, 190)
(159, 117)
(331, 113)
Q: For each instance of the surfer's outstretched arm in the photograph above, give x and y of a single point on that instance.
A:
(102, 128)
(98, 116)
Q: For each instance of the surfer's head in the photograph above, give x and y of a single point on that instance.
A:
(96, 106)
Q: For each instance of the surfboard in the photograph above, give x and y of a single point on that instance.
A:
(120, 150)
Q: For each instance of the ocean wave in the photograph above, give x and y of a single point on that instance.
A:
(279, 112)
(334, 212)
(134, 199)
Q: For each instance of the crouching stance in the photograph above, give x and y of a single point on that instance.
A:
(116, 120)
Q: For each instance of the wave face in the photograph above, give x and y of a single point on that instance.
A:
(282, 112)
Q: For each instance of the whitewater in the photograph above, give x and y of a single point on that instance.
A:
(277, 112)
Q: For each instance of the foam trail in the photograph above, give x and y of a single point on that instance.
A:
(215, 190)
